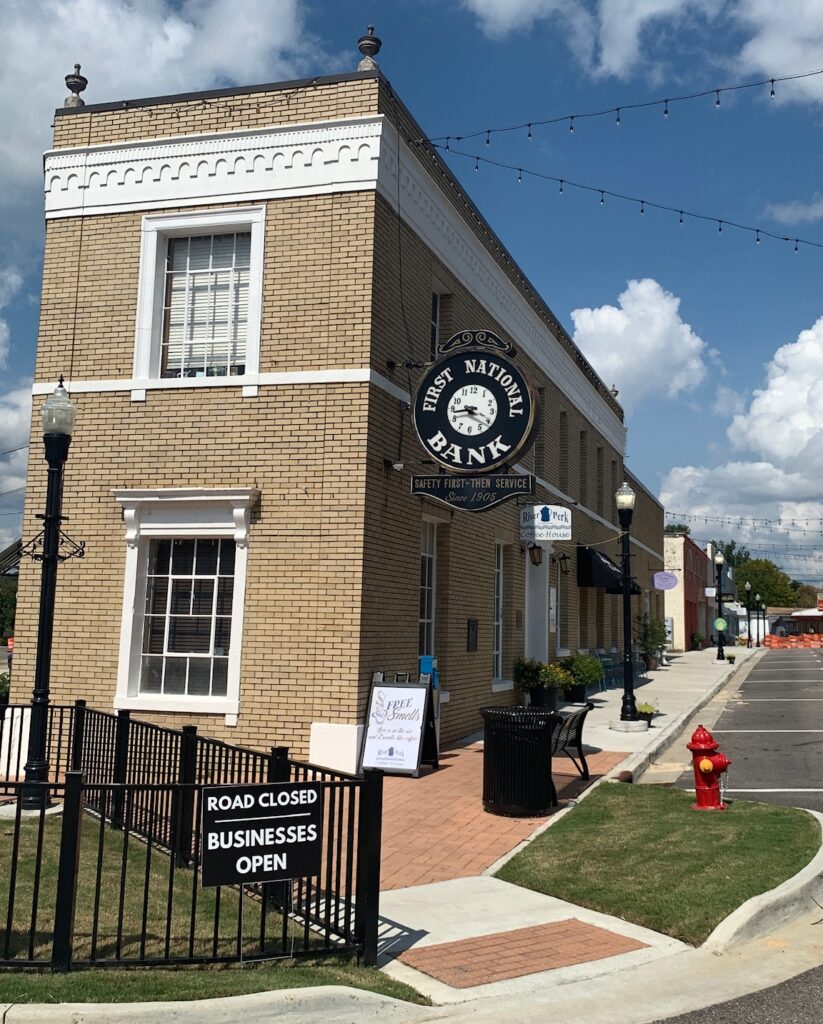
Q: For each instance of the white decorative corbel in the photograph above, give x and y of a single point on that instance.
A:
(240, 514)
(131, 518)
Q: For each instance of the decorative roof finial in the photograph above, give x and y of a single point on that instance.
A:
(76, 83)
(369, 45)
(614, 391)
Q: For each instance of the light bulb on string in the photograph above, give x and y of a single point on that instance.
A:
(772, 91)
(477, 163)
(561, 184)
(571, 123)
(681, 216)
(602, 198)
(757, 237)
(665, 108)
(519, 176)
(717, 94)
(617, 122)
(720, 227)
(529, 136)
(796, 247)
(447, 143)
(642, 206)
(488, 138)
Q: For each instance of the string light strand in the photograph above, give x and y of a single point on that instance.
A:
(616, 111)
(681, 212)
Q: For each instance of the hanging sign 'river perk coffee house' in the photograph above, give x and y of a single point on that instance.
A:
(475, 412)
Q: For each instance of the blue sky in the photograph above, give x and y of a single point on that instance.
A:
(701, 331)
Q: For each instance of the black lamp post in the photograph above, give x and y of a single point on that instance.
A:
(748, 614)
(58, 415)
(757, 610)
(625, 498)
(718, 561)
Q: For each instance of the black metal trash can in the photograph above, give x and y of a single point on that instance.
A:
(517, 761)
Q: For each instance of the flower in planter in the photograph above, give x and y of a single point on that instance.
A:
(647, 709)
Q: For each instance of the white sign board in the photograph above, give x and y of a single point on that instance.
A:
(711, 591)
(545, 522)
(394, 727)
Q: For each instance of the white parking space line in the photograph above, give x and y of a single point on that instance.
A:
(774, 700)
(773, 790)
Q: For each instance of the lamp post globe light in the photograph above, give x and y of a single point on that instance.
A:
(748, 614)
(757, 613)
(58, 416)
(718, 562)
(625, 498)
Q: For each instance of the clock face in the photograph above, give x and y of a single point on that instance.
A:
(474, 411)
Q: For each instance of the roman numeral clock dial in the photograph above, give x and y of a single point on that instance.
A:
(474, 411)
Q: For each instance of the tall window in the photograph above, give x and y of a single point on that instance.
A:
(435, 324)
(563, 445)
(206, 306)
(497, 659)
(428, 582)
(187, 622)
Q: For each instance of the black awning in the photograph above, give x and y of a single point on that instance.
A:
(594, 569)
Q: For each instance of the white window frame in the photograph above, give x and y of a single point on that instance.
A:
(155, 232)
(179, 512)
(497, 612)
(428, 528)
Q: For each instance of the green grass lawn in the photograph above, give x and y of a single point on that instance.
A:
(641, 853)
(119, 872)
(142, 984)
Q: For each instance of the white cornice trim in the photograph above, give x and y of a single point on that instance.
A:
(186, 170)
(187, 512)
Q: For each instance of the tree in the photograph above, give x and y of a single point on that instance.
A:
(8, 601)
(733, 552)
(677, 528)
(805, 595)
(768, 580)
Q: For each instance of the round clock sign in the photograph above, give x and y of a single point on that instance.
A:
(474, 411)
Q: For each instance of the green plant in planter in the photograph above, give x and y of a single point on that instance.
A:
(730, 658)
(586, 671)
(698, 640)
(651, 636)
(526, 674)
(647, 709)
(554, 676)
(5, 684)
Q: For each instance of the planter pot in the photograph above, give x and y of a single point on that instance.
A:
(543, 697)
(4, 699)
(645, 716)
(651, 662)
(576, 694)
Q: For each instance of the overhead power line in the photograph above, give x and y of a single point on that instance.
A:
(11, 451)
(683, 213)
(616, 111)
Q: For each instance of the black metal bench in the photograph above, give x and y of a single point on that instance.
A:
(568, 736)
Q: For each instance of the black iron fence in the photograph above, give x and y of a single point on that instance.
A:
(85, 887)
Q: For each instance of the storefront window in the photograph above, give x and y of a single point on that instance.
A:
(497, 660)
(428, 577)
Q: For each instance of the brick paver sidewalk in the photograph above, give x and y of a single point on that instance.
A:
(435, 828)
(513, 954)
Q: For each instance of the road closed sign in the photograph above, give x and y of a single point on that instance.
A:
(261, 833)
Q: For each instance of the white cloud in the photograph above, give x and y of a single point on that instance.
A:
(10, 283)
(624, 343)
(178, 47)
(728, 402)
(15, 422)
(624, 22)
(783, 38)
(782, 430)
(797, 211)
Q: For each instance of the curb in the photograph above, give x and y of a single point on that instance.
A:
(330, 1004)
(638, 760)
(763, 913)
(643, 758)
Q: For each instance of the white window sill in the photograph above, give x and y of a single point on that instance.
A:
(187, 705)
(248, 382)
(563, 652)
(502, 685)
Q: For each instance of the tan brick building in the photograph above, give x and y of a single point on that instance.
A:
(233, 281)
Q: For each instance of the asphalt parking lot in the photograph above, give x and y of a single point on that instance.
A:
(773, 732)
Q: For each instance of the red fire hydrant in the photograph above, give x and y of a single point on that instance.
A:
(708, 767)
